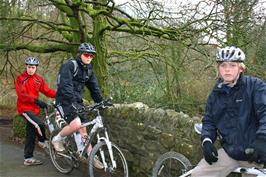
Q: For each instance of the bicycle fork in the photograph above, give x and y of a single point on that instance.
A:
(110, 150)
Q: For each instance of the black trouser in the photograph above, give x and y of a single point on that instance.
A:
(35, 127)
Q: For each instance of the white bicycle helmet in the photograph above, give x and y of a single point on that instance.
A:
(230, 53)
(32, 61)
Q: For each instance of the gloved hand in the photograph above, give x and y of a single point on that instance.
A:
(40, 103)
(106, 103)
(259, 154)
(210, 152)
(78, 107)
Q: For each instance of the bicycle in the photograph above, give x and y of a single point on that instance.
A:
(175, 164)
(109, 154)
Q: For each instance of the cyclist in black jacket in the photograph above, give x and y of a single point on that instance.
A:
(73, 76)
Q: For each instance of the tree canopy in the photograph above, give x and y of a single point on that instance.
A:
(168, 43)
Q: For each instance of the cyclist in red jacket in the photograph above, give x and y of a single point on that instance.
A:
(28, 85)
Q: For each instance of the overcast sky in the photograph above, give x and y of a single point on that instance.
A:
(174, 6)
(170, 3)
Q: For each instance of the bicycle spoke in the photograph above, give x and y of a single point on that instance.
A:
(62, 161)
(170, 168)
(116, 168)
(171, 164)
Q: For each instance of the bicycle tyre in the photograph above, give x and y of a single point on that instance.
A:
(61, 161)
(121, 171)
(171, 164)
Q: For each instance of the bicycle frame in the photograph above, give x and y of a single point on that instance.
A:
(251, 171)
(242, 170)
(47, 120)
(97, 125)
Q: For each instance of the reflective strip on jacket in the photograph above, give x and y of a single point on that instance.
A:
(237, 114)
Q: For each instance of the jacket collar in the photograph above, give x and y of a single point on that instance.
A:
(25, 74)
(220, 87)
(81, 64)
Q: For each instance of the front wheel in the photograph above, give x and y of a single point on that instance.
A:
(171, 164)
(116, 168)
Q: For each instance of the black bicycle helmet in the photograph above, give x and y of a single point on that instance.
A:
(32, 61)
(86, 48)
(230, 53)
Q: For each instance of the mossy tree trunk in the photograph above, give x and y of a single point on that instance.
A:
(238, 15)
(100, 62)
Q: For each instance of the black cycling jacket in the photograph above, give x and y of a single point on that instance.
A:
(70, 88)
(238, 114)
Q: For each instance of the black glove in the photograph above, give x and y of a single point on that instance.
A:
(108, 103)
(259, 154)
(210, 152)
(40, 103)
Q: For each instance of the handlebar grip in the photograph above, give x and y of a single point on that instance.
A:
(108, 103)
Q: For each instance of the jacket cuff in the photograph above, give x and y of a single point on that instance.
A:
(206, 139)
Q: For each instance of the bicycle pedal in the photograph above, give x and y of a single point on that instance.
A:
(76, 164)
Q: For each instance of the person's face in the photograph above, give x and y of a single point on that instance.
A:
(86, 58)
(229, 71)
(31, 69)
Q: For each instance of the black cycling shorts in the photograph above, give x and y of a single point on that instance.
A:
(69, 113)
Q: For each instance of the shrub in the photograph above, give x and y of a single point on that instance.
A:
(19, 126)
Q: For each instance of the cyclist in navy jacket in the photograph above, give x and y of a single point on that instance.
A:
(236, 112)
(73, 76)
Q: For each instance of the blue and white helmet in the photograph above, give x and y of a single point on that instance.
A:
(32, 61)
(230, 53)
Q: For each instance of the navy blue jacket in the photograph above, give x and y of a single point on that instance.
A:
(237, 115)
(70, 88)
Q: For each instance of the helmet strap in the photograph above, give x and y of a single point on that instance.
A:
(232, 84)
(80, 61)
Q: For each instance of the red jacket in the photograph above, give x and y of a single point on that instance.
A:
(28, 88)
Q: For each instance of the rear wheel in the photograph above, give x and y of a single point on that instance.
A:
(101, 150)
(62, 161)
(171, 164)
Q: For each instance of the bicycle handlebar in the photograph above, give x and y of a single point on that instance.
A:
(104, 104)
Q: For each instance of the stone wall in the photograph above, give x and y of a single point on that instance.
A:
(144, 133)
